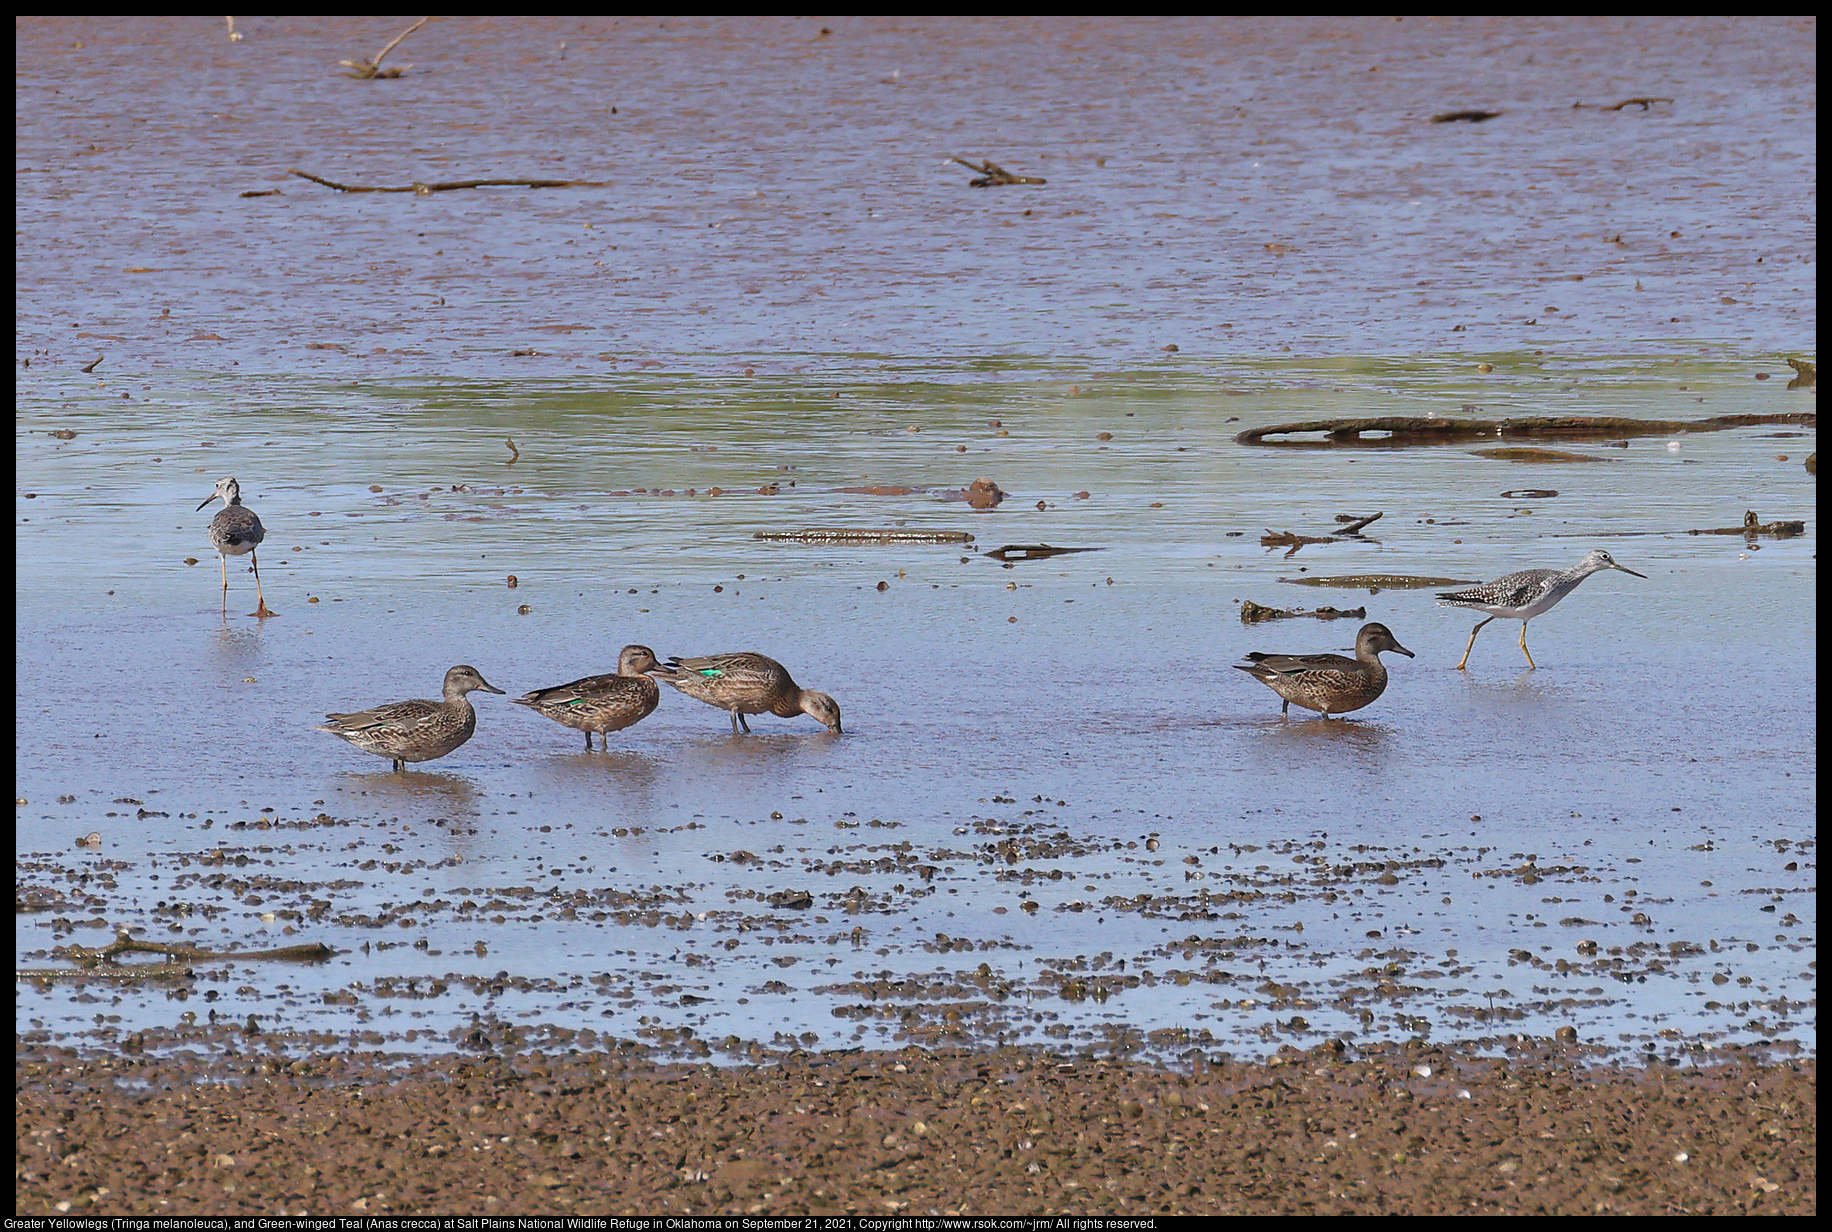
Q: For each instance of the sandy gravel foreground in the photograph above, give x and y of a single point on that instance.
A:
(1405, 1129)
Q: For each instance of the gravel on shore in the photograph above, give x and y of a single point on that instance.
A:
(1399, 1129)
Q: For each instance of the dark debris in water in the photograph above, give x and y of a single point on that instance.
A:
(1033, 551)
(845, 918)
(1253, 613)
(1518, 453)
(1380, 581)
(1753, 526)
(991, 175)
(850, 535)
(1402, 430)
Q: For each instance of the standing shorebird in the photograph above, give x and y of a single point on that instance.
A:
(1524, 595)
(749, 683)
(235, 531)
(1328, 683)
(415, 730)
(602, 704)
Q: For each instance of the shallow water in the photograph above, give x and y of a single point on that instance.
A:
(1438, 863)
(1014, 735)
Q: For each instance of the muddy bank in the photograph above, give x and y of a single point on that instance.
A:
(1406, 1129)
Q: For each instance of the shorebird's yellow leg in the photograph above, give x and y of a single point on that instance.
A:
(261, 609)
(1472, 640)
(1523, 647)
(224, 562)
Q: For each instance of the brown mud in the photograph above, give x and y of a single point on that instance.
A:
(1401, 1129)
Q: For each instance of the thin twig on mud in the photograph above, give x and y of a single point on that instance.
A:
(423, 190)
(991, 174)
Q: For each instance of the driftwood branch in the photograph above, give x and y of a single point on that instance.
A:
(1252, 613)
(420, 189)
(991, 175)
(1286, 539)
(1033, 551)
(841, 534)
(1754, 526)
(364, 70)
(1642, 101)
(1417, 430)
(1355, 524)
(1292, 540)
(1377, 582)
(100, 962)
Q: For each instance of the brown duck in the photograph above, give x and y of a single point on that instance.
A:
(602, 704)
(1328, 683)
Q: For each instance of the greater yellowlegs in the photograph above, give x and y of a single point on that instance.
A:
(415, 730)
(1328, 683)
(749, 683)
(1524, 595)
(602, 704)
(235, 531)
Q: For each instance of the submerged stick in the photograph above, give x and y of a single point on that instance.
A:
(1285, 538)
(1420, 430)
(423, 189)
(1355, 524)
(1034, 551)
(1253, 613)
(99, 961)
(1753, 526)
(848, 535)
(991, 175)
(1382, 581)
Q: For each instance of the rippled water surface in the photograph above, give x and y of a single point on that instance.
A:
(1226, 186)
(1057, 814)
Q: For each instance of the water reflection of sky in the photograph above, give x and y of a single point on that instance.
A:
(789, 286)
(1083, 700)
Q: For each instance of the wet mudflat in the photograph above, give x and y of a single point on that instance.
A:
(783, 193)
(1399, 1130)
(1057, 814)
(1060, 830)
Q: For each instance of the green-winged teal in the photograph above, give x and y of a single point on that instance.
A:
(749, 683)
(236, 531)
(602, 704)
(1328, 683)
(416, 730)
(1524, 595)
